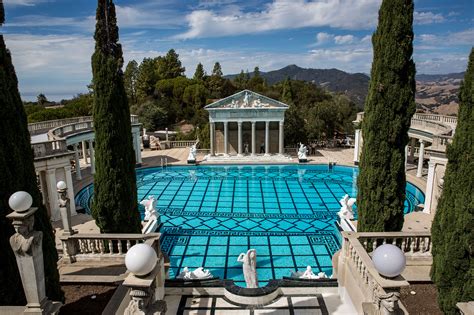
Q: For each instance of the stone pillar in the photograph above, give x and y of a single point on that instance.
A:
(253, 137)
(406, 157)
(429, 186)
(226, 138)
(239, 137)
(146, 292)
(64, 203)
(267, 138)
(421, 156)
(212, 128)
(137, 147)
(26, 244)
(77, 161)
(68, 177)
(281, 149)
(84, 151)
(412, 150)
(166, 134)
(92, 156)
(357, 146)
(52, 194)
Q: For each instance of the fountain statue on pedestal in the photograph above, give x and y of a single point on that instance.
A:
(249, 267)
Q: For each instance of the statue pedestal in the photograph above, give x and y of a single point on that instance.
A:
(191, 161)
(303, 160)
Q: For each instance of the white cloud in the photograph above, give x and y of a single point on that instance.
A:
(344, 39)
(24, 2)
(284, 14)
(323, 37)
(422, 18)
(465, 37)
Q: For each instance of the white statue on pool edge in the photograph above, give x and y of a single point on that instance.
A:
(249, 267)
(192, 153)
(309, 274)
(198, 273)
(149, 205)
(302, 152)
(347, 212)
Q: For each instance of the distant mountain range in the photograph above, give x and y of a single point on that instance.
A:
(430, 91)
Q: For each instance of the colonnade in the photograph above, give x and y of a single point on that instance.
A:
(253, 145)
(409, 149)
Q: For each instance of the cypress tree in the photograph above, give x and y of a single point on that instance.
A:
(114, 207)
(17, 172)
(389, 107)
(453, 225)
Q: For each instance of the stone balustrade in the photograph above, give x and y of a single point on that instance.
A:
(49, 148)
(448, 120)
(42, 126)
(357, 275)
(178, 144)
(103, 247)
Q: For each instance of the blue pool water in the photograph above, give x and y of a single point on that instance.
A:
(287, 213)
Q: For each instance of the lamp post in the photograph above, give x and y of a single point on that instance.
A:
(389, 261)
(144, 267)
(27, 246)
(64, 209)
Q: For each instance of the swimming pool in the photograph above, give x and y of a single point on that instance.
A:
(211, 214)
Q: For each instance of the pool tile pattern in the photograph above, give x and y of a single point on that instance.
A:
(211, 214)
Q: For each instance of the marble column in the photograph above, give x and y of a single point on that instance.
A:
(226, 138)
(253, 137)
(52, 194)
(406, 157)
(281, 149)
(412, 150)
(267, 138)
(70, 191)
(357, 146)
(429, 186)
(92, 155)
(84, 151)
(137, 147)
(77, 161)
(64, 203)
(239, 132)
(421, 156)
(212, 135)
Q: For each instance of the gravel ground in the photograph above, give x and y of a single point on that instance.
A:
(424, 302)
(86, 299)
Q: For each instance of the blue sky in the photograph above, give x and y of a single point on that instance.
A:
(51, 40)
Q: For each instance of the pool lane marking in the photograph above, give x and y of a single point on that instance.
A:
(276, 195)
(269, 245)
(292, 253)
(189, 195)
(226, 257)
(219, 196)
(291, 196)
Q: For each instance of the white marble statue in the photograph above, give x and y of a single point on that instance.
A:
(246, 99)
(302, 152)
(308, 274)
(149, 205)
(198, 273)
(233, 104)
(192, 152)
(347, 212)
(249, 267)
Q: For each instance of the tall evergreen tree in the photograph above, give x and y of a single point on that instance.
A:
(130, 80)
(287, 93)
(114, 206)
(146, 79)
(169, 66)
(389, 107)
(453, 225)
(199, 74)
(17, 172)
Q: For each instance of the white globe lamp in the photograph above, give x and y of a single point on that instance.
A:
(61, 185)
(141, 259)
(20, 201)
(389, 260)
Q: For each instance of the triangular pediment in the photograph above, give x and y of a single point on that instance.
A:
(246, 99)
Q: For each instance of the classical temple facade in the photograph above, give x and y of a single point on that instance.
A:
(246, 123)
